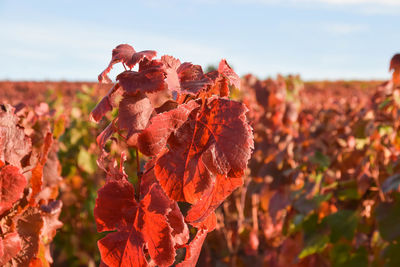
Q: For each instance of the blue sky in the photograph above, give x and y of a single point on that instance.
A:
(318, 39)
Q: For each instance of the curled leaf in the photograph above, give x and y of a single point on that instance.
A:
(395, 67)
(226, 71)
(103, 106)
(127, 55)
(194, 249)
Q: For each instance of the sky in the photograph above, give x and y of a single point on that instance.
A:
(318, 39)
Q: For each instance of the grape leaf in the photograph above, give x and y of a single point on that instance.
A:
(29, 227)
(12, 184)
(126, 54)
(209, 223)
(213, 197)
(192, 79)
(215, 140)
(50, 214)
(394, 62)
(154, 138)
(104, 105)
(11, 245)
(105, 135)
(14, 145)
(149, 78)
(225, 70)
(171, 65)
(137, 224)
(185, 77)
(180, 231)
(395, 67)
(194, 249)
(148, 178)
(37, 172)
(134, 114)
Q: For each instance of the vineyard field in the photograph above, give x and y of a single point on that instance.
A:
(172, 166)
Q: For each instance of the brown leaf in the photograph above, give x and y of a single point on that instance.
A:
(14, 145)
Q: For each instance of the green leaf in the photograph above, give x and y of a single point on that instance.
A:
(315, 244)
(59, 127)
(320, 159)
(341, 256)
(348, 194)
(86, 161)
(388, 218)
(75, 135)
(391, 255)
(342, 224)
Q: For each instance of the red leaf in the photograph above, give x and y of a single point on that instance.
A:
(14, 145)
(152, 221)
(167, 106)
(138, 57)
(115, 206)
(104, 105)
(193, 250)
(186, 77)
(37, 172)
(154, 138)
(50, 214)
(123, 248)
(220, 87)
(214, 140)
(12, 184)
(208, 224)
(137, 225)
(225, 70)
(149, 78)
(29, 228)
(105, 135)
(148, 178)
(126, 54)
(36, 182)
(171, 66)
(213, 197)
(192, 79)
(395, 62)
(122, 53)
(134, 114)
(180, 231)
(395, 67)
(11, 245)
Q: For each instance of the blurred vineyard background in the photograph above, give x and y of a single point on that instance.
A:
(321, 188)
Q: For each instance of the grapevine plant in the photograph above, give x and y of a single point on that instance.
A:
(196, 143)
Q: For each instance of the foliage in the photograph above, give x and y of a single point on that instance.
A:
(323, 183)
(29, 183)
(321, 188)
(198, 142)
